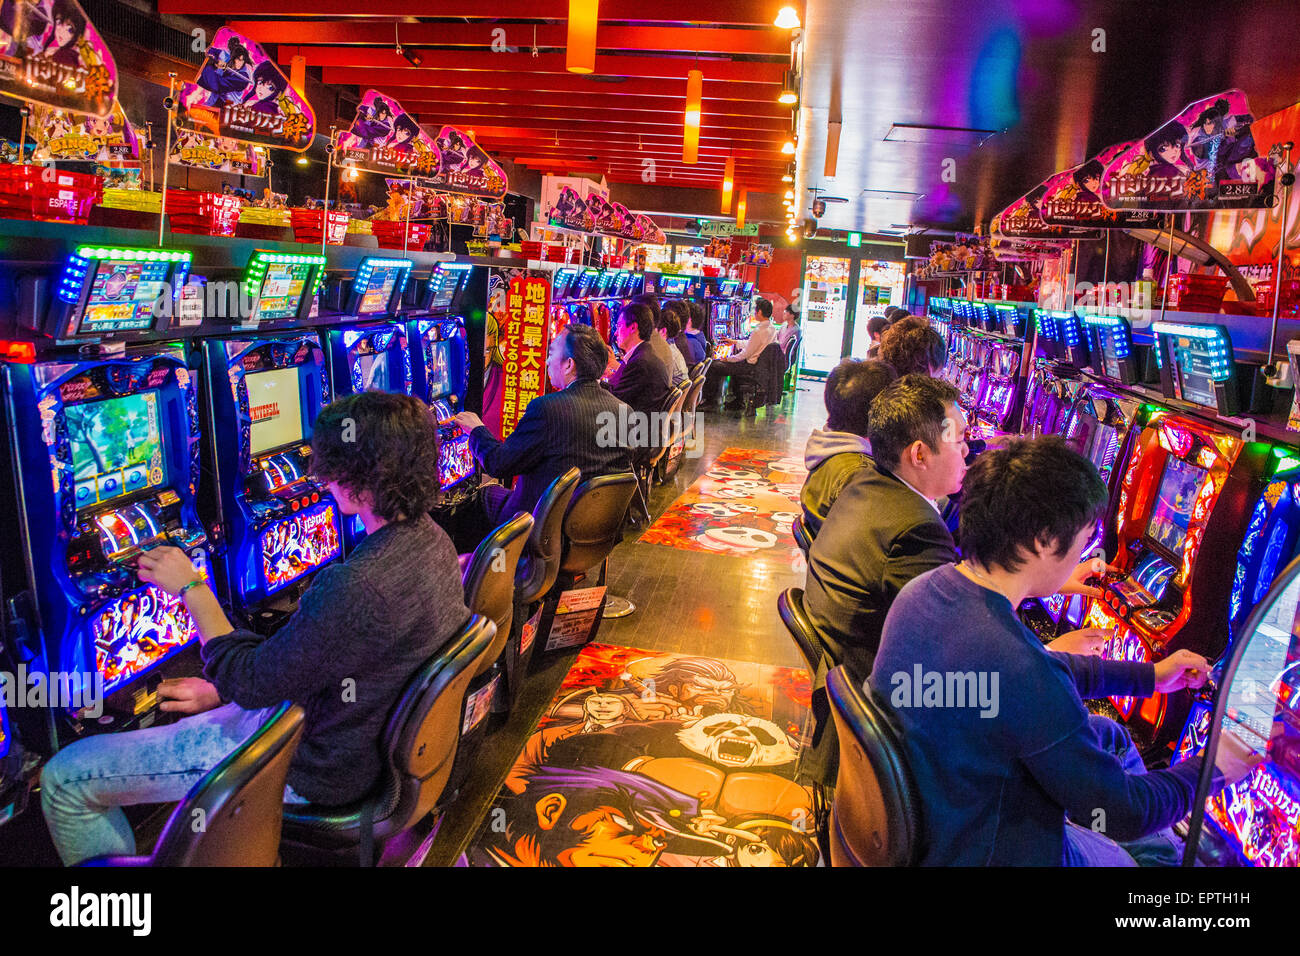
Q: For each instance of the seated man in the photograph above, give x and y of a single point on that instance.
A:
(876, 326)
(743, 361)
(884, 528)
(999, 769)
(658, 344)
(835, 455)
(556, 432)
(374, 619)
(693, 338)
(668, 329)
(641, 380)
(789, 326)
(911, 345)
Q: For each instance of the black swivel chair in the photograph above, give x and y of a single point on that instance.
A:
(419, 747)
(489, 579)
(684, 428)
(789, 604)
(876, 816)
(593, 527)
(540, 563)
(238, 803)
(645, 460)
(801, 536)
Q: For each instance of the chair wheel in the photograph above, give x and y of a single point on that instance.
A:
(617, 606)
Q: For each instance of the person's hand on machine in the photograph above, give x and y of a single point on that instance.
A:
(1093, 569)
(1087, 640)
(188, 695)
(468, 421)
(1181, 669)
(1234, 758)
(167, 567)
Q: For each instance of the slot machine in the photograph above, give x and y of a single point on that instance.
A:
(998, 404)
(266, 380)
(442, 381)
(1179, 513)
(1048, 392)
(1255, 821)
(564, 282)
(1196, 365)
(103, 422)
(1111, 345)
(580, 305)
(1009, 320)
(1048, 336)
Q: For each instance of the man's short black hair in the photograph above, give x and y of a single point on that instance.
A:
(763, 307)
(588, 350)
(876, 325)
(640, 316)
(651, 301)
(911, 345)
(913, 408)
(850, 388)
(1030, 491)
(382, 444)
(670, 320)
(697, 316)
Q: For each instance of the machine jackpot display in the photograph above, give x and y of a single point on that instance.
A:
(1047, 336)
(265, 383)
(105, 435)
(1182, 508)
(564, 282)
(1255, 821)
(1196, 365)
(1009, 320)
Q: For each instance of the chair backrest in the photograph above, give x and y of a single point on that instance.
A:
(423, 730)
(791, 347)
(232, 816)
(801, 535)
(489, 579)
(594, 522)
(540, 562)
(691, 402)
(875, 820)
(671, 428)
(789, 604)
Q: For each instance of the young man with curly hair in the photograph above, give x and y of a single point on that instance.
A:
(361, 630)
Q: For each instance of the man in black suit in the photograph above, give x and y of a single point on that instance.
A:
(884, 528)
(642, 381)
(559, 431)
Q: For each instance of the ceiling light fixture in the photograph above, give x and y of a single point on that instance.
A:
(302, 160)
(580, 45)
(789, 194)
(789, 176)
(789, 89)
(787, 148)
(788, 19)
(694, 101)
(832, 148)
(740, 209)
(728, 183)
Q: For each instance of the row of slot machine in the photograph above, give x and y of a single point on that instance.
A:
(142, 408)
(1202, 528)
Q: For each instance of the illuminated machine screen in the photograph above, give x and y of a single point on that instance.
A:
(282, 289)
(122, 296)
(116, 446)
(4, 731)
(448, 285)
(378, 372)
(1195, 363)
(438, 358)
(135, 631)
(455, 460)
(275, 408)
(1175, 498)
(298, 545)
(1260, 814)
(379, 290)
(563, 280)
(675, 285)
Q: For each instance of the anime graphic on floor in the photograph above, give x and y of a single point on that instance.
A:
(648, 758)
(743, 505)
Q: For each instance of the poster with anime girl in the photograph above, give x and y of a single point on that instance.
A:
(239, 93)
(1203, 158)
(52, 55)
(465, 168)
(1024, 220)
(384, 138)
(60, 135)
(1073, 197)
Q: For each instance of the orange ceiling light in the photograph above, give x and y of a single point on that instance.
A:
(740, 209)
(580, 47)
(787, 18)
(832, 148)
(694, 106)
(728, 183)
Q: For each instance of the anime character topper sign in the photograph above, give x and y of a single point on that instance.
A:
(464, 167)
(385, 139)
(1203, 158)
(51, 54)
(1023, 220)
(60, 134)
(571, 211)
(240, 94)
(650, 231)
(1073, 197)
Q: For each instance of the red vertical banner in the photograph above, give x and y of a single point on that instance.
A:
(523, 346)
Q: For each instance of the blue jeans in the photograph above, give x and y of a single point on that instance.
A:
(1085, 847)
(86, 783)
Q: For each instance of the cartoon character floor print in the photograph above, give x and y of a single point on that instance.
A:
(743, 505)
(649, 758)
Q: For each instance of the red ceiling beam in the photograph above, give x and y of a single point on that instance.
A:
(443, 82)
(662, 67)
(774, 42)
(606, 147)
(740, 114)
(739, 12)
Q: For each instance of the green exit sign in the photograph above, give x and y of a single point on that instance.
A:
(855, 240)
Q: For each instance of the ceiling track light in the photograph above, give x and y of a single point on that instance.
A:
(789, 89)
(788, 19)
(787, 148)
(580, 42)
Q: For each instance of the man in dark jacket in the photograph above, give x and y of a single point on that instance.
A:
(884, 528)
(642, 380)
(835, 454)
(559, 431)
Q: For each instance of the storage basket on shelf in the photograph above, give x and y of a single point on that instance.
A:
(203, 213)
(307, 226)
(394, 235)
(1193, 292)
(37, 192)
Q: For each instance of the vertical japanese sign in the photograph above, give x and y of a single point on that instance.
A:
(524, 346)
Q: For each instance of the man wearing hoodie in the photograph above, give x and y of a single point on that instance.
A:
(835, 454)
